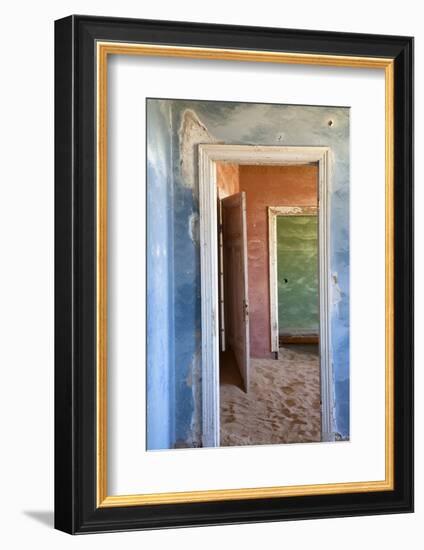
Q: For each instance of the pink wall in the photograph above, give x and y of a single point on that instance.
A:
(269, 186)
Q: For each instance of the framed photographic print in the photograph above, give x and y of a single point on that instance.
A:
(233, 274)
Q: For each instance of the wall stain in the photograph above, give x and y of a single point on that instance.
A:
(192, 132)
(194, 381)
(193, 227)
(336, 292)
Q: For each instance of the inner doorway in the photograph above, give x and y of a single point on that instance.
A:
(235, 281)
(294, 275)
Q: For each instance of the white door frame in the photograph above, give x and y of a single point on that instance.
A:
(209, 155)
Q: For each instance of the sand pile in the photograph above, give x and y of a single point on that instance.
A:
(283, 403)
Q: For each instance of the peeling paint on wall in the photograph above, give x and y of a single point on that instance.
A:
(192, 132)
(194, 381)
(292, 210)
(336, 292)
(193, 227)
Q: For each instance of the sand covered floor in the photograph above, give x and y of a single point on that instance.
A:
(283, 403)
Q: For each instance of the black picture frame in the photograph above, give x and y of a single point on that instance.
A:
(76, 510)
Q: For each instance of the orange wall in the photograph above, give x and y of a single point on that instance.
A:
(269, 186)
(227, 179)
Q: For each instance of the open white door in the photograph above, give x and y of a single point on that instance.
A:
(234, 234)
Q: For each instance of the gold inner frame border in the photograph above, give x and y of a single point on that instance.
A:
(103, 50)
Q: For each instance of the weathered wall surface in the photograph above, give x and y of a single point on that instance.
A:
(269, 186)
(191, 123)
(160, 364)
(297, 270)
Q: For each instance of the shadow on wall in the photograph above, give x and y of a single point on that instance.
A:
(45, 517)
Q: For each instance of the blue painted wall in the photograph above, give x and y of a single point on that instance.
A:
(175, 128)
(160, 348)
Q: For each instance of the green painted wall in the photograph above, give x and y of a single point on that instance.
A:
(297, 257)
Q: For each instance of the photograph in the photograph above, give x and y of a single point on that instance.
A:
(247, 271)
